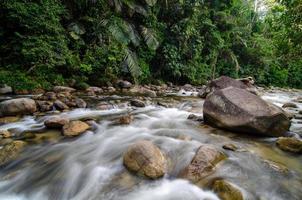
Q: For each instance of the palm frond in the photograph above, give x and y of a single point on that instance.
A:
(132, 64)
(151, 2)
(150, 38)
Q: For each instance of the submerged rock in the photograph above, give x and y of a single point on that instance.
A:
(227, 191)
(5, 134)
(195, 117)
(56, 122)
(202, 164)
(241, 111)
(126, 119)
(20, 106)
(10, 151)
(231, 147)
(74, 128)
(137, 103)
(290, 144)
(9, 119)
(289, 105)
(144, 158)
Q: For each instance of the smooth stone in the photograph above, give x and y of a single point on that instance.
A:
(56, 122)
(21, 106)
(144, 158)
(290, 144)
(74, 128)
(289, 105)
(203, 163)
(137, 103)
(227, 191)
(58, 89)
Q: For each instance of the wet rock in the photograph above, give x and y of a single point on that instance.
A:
(137, 103)
(10, 151)
(289, 105)
(21, 92)
(123, 84)
(37, 91)
(298, 116)
(5, 134)
(50, 96)
(111, 89)
(56, 122)
(80, 103)
(60, 105)
(20, 106)
(188, 87)
(5, 89)
(104, 106)
(58, 89)
(94, 90)
(143, 91)
(227, 191)
(126, 119)
(45, 106)
(203, 92)
(290, 144)
(144, 158)
(149, 93)
(202, 164)
(74, 128)
(300, 112)
(195, 117)
(9, 119)
(231, 147)
(278, 167)
(240, 111)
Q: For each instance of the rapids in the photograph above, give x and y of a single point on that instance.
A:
(90, 167)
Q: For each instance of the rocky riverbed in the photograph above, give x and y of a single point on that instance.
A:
(105, 143)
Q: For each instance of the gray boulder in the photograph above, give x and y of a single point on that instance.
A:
(19, 106)
(238, 110)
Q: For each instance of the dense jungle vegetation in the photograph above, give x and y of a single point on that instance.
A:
(95, 42)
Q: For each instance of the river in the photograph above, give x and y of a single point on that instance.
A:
(90, 167)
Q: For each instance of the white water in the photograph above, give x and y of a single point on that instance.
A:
(90, 167)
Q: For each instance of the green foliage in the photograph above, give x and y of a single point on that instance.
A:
(44, 43)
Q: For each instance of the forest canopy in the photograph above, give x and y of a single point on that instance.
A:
(95, 42)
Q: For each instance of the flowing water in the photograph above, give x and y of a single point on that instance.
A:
(90, 167)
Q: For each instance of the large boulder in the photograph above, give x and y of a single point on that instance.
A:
(241, 111)
(123, 84)
(74, 128)
(144, 158)
(20, 106)
(202, 164)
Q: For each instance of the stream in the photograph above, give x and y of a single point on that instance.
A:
(90, 167)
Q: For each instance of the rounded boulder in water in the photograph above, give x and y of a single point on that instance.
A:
(238, 110)
(146, 159)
